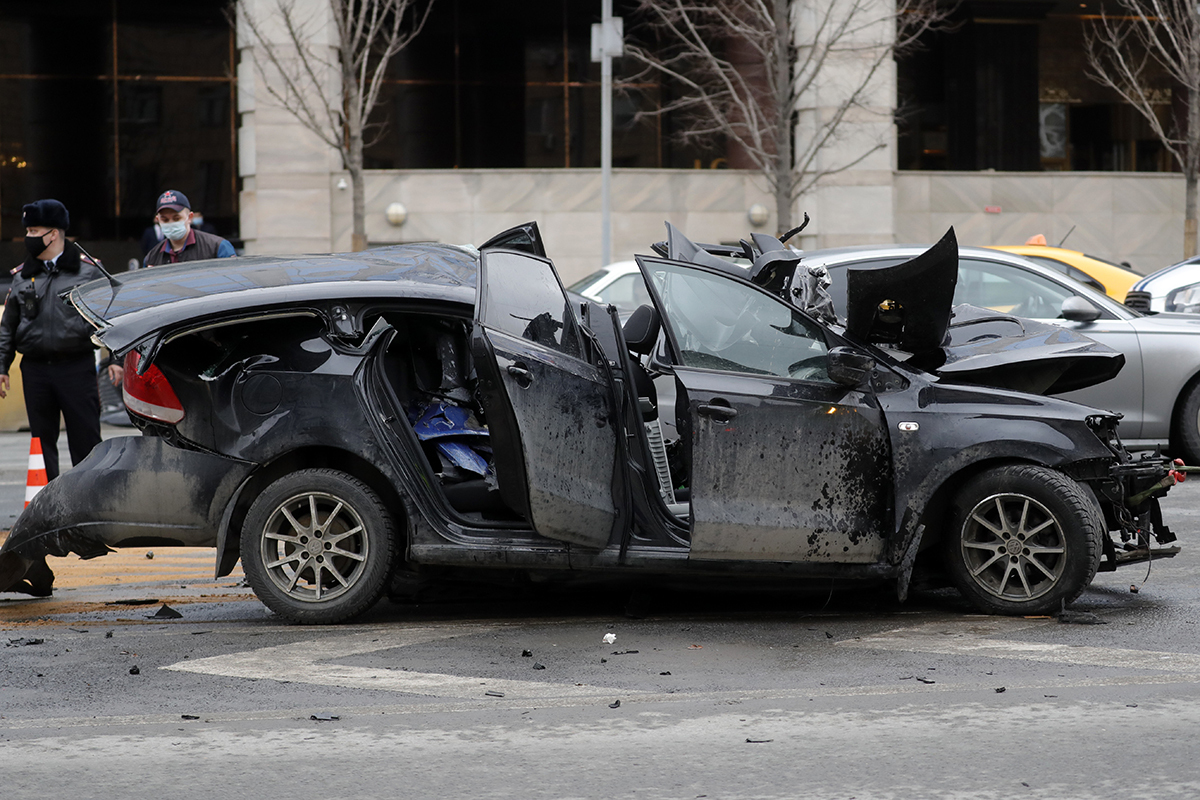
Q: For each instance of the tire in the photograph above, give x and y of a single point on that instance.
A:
(1186, 425)
(1024, 539)
(324, 574)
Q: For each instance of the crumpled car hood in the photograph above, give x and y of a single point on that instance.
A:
(1007, 352)
(909, 306)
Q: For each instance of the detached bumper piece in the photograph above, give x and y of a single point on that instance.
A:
(131, 491)
(1140, 516)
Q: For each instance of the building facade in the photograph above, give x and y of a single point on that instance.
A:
(492, 118)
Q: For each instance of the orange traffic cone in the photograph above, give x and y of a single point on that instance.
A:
(37, 470)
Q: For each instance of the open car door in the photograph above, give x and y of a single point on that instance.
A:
(785, 463)
(551, 413)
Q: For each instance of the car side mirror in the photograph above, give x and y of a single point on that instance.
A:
(1077, 309)
(848, 367)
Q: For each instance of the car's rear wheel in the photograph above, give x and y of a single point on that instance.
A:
(1024, 540)
(1187, 425)
(318, 546)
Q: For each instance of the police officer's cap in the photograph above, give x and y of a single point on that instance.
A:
(45, 214)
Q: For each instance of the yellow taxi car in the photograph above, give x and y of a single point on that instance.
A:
(1103, 276)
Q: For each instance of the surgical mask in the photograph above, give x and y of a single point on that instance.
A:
(174, 230)
(36, 245)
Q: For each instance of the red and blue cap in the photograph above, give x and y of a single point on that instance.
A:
(176, 201)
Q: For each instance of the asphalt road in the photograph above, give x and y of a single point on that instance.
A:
(720, 696)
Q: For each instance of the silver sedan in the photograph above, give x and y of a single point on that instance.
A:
(1158, 391)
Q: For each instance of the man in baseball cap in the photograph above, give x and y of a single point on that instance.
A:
(182, 242)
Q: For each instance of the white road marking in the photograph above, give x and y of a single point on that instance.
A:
(976, 639)
(309, 662)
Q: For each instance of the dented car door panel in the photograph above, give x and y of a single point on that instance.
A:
(552, 413)
(790, 472)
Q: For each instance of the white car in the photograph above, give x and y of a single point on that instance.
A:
(1174, 288)
(619, 284)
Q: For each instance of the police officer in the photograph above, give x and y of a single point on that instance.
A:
(58, 364)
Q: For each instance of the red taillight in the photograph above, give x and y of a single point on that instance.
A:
(150, 394)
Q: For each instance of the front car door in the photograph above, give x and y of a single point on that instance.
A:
(551, 412)
(786, 465)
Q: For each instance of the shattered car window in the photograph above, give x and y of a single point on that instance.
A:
(524, 299)
(723, 325)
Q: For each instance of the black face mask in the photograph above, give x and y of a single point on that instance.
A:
(36, 245)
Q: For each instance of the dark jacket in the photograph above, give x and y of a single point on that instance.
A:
(206, 246)
(37, 322)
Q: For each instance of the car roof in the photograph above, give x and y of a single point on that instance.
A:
(145, 300)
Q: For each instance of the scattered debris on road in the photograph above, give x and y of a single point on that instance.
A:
(615, 704)
(538, 665)
(492, 693)
(609, 638)
(1080, 618)
(24, 642)
(166, 612)
(134, 670)
(324, 716)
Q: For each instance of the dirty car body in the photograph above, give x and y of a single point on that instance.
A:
(343, 423)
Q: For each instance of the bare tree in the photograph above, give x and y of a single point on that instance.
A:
(748, 71)
(331, 88)
(1149, 43)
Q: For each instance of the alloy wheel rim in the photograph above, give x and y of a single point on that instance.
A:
(1013, 547)
(314, 547)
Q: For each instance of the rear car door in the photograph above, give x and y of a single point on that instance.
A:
(786, 465)
(550, 410)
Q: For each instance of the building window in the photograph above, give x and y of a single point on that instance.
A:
(105, 105)
(1007, 89)
(497, 85)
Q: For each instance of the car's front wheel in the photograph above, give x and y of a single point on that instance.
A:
(318, 546)
(1187, 425)
(1024, 540)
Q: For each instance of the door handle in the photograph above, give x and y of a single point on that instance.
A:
(524, 376)
(717, 411)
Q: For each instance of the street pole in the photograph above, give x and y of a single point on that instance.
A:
(607, 42)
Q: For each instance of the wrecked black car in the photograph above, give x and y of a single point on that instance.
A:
(340, 422)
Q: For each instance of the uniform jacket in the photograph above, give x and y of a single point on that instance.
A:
(37, 322)
(206, 246)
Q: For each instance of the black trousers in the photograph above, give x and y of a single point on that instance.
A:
(67, 388)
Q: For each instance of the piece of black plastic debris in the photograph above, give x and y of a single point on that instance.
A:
(324, 716)
(923, 679)
(24, 642)
(108, 634)
(538, 665)
(1049, 695)
(1133, 588)
(623, 652)
(78, 630)
(1026, 785)
(604, 661)
(1131, 705)
(134, 670)
(615, 704)
(828, 635)
(189, 716)
(668, 672)
(1001, 689)
(166, 612)
(492, 693)
(758, 741)
(150, 555)
(1080, 618)
(149, 601)
(526, 654)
